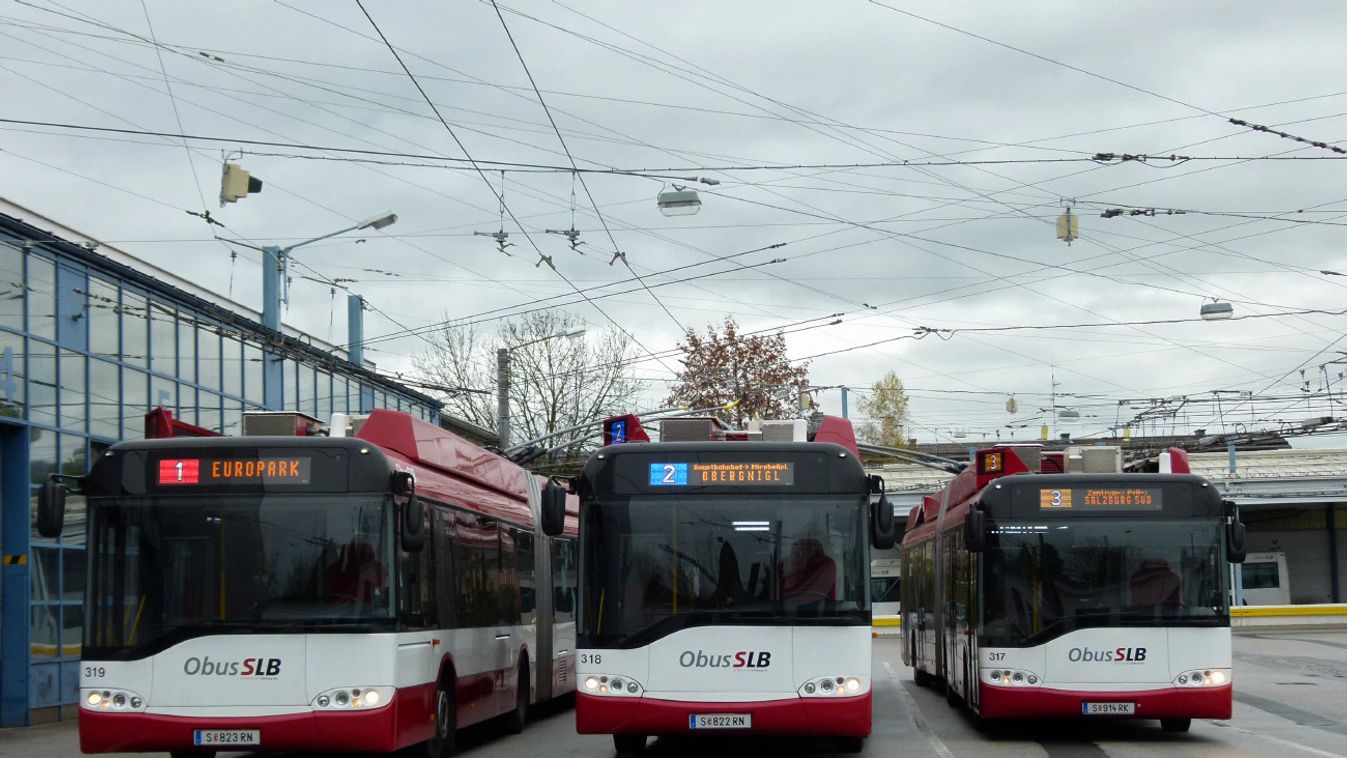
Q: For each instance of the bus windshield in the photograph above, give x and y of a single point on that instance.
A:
(657, 564)
(1045, 579)
(164, 569)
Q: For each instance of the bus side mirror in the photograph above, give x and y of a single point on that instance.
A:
(51, 507)
(1234, 542)
(975, 530)
(882, 528)
(554, 509)
(413, 524)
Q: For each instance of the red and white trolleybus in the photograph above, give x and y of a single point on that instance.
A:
(725, 586)
(317, 593)
(1085, 592)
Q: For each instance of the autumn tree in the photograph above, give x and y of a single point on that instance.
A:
(554, 383)
(725, 365)
(886, 411)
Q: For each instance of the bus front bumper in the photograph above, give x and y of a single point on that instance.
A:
(1045, 702)
(834, 717)
(406, 720)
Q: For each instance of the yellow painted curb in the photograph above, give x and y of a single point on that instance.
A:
(1268, 611)
(894, 621)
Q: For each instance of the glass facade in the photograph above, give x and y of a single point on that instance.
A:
(87, 347)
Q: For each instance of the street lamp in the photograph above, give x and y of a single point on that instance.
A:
(276, 260)
(1217, 310)
(679, 201)
(503, 383)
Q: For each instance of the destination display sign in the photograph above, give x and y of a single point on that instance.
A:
(1100, 498)
(229, 471)
(748, 474)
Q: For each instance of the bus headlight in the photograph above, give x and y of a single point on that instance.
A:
(833, 686)
(1011, 678)
(352, 698)
(605, 685)
(111, 700)
(1203, 678)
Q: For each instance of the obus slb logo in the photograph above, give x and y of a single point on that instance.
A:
(743, 659)
(1117, 655)
(253, 667)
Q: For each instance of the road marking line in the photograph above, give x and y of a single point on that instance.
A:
(1279, 740)
(920, 721)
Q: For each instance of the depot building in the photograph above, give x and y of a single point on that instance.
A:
(91, 339)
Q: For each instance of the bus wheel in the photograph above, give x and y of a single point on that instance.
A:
(849, 744)
(520, 716)
(629, 744)
(1175, 725)
(442, 744)
(922, 678)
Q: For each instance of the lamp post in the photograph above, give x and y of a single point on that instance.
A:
(503, 383)
(275, 261)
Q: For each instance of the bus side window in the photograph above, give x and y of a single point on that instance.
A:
(528, 600)
(563, 580)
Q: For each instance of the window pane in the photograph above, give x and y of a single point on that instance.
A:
(73, 413)
(208, 358)
(163, 338)
(72, 617)
(103, 324)
(253, 388)
(187, 410)
(41, 382)
(104, 379)
(135, 403)
(233, 417)
(306, 389)
(12, 372)
(291, 388)
(231, 359)
(163, 393)
(11, 287)
(43, 634)
(324, 395)
(44, 570)
(187, 352)
(41, 463)
(208, 410)
(41, 297)
(135, 329)
(74, 463)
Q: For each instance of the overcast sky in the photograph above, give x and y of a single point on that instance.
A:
(703, 86)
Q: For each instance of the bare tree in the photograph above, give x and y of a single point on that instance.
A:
(554, 383)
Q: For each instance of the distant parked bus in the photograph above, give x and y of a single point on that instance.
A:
(314, 593)
(1032, 594)
(886, 591)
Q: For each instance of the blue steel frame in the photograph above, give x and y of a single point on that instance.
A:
(42, 671)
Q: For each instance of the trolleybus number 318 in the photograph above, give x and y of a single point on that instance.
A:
(720, 721)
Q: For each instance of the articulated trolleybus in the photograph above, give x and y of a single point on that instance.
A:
(1086, 592)
(316, 593)
(724, 584)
